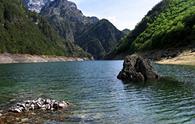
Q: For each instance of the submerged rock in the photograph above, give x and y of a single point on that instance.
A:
(137, 69)
(40, 103)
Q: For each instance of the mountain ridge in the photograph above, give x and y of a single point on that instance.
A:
(101, 38)
(169, 25)
(66, 18)
(27, 33)
(71, 23)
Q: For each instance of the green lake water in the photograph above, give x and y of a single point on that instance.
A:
(98, 96)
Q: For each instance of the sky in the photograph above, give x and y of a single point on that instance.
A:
(122, 13)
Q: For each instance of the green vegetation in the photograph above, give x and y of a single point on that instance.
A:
(97, 37)
(100, 38)
(25, 32)
(170, 24)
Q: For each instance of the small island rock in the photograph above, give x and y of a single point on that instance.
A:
(137, 69)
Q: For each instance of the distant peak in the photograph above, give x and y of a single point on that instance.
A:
(105, 20)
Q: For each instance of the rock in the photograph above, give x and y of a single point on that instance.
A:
(63, 104)
(17, 119)
(1, 114)
(21, 105)
(43, 107)
(48, 101)
(24, 120)
(16, 110)
(48, 107)
(40, 103)
(56, 105)
(33, 113)
(32, 106)
(137, 69)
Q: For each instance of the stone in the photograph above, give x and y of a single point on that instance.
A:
(63, 104)
(27, 102)
(43, 107)
(48, 101)
(48, 107)
(1, 114)
(15, 110)
(56, 105)
(137, 69)
(21, 105)
(24, 120)
(17, 119)
(32, 107)
(33, 113)
(40, 103)
(35, 106)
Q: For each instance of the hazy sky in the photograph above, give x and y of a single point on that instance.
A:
(122, 13)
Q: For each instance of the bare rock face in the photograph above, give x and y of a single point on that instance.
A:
(137, 69)
(36, 5)
(40, 103)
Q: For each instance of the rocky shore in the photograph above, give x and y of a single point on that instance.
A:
(26, 58)
(35, 111)
(39, 104)
(185, 58)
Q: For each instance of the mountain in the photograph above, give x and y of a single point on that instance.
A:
(28, 33)
(73, 25)
(66, 19)
(170, 24)
(100, 38)
(126, 31)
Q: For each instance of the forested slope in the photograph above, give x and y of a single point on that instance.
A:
(170, 24)
(25, 32)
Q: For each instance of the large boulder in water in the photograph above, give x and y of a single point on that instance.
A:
(137, 69)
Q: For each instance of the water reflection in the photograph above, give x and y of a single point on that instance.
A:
(168, 100)
(98, 96)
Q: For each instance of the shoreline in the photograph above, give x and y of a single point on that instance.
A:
(7, 58)
(185, 58)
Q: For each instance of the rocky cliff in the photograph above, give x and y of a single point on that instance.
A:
(74, 26)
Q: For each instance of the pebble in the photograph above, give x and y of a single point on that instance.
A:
(63, 104)
(17, 119)
(33, 113)
(24, 120)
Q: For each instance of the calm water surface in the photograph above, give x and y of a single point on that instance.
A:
(98, 96)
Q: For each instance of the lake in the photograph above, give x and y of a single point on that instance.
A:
(98, 96)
